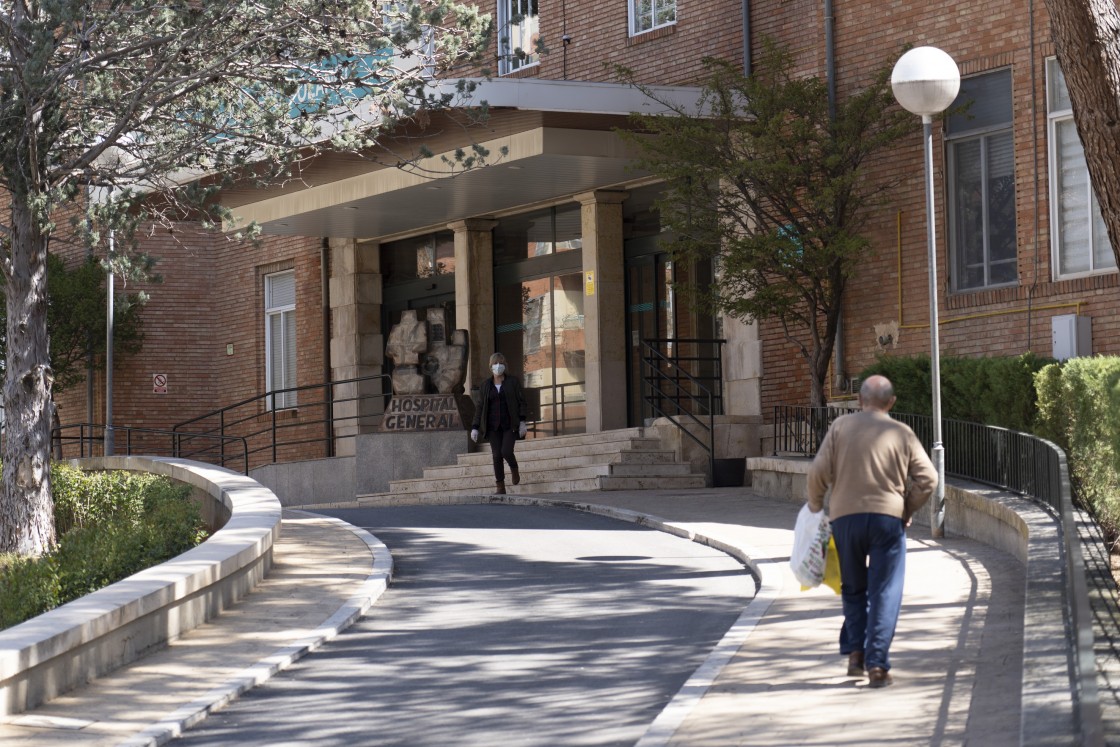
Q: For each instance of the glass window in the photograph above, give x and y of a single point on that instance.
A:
(518, 33)
(1079, 239)
(536, 234)
(540, 330)
(418, 257)
(981, 157)
(646, 15)
(280, 338)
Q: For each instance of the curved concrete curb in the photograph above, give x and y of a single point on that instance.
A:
(72, 644)
(769, 576)
(190, 714)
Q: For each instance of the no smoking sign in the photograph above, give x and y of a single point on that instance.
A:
(159, 383)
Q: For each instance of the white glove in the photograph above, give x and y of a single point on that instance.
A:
(474, 435)
(522, 430)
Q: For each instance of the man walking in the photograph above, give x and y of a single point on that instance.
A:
(880, 476)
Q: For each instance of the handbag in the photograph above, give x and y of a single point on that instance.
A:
(811, 535)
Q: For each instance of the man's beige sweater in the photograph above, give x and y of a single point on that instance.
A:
(874, 464)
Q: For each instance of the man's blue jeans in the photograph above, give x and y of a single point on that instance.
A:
(872, 550)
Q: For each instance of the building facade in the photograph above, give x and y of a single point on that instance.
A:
(551, 252)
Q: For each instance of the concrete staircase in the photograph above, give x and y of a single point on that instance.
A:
(628, 459)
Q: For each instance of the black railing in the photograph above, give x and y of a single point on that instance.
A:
(684, 366)
(1007, 459)
(555, 409)
(685, 386)
(81, 440)
(318, 417)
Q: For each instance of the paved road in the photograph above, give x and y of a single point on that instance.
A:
(503, 626)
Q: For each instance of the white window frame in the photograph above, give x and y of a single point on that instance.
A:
(513, 37)
(1095, 231)
(287, 315)
(656, 7)
(984, 136)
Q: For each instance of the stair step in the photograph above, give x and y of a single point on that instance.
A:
(580, 485)
(626, 459)
(544, 449)
(480, 478)
(529, 463)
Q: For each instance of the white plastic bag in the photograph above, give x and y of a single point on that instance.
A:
(810, 543)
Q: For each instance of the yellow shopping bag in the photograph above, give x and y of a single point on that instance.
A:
(831, 568)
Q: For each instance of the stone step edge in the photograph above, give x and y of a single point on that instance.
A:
(589, 471)
(603, 483)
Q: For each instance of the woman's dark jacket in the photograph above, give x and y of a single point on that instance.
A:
(515, 401)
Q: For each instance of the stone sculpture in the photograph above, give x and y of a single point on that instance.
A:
(425, 357)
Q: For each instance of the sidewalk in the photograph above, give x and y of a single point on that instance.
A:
(323, 576)
(776, 679)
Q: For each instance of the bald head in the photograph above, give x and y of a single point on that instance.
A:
(876, 393)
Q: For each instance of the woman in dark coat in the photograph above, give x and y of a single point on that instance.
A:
(499, 417)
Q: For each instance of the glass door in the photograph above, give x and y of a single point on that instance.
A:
(540, 331)
(649, 302)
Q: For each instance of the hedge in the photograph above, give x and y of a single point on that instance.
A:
(992, 391)
(1079, 409)
(110, 525)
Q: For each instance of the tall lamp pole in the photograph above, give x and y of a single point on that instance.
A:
(925, 81)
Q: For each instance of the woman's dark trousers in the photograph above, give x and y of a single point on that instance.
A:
(501, 447)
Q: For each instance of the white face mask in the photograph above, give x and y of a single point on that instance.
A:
(498, 369)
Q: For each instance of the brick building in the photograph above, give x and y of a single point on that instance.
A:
(550, 253)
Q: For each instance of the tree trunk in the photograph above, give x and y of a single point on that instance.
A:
(820, 356)
(26, 509)
(1087, 37)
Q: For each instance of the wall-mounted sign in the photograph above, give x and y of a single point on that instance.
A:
(159, 383)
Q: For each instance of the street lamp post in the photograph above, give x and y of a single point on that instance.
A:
(925, 81)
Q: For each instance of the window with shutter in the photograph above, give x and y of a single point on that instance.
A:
(280, 338)
(1079, 240)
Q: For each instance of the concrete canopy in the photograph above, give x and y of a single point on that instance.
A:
(557, 138)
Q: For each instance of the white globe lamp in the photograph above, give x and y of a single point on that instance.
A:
(926, 81)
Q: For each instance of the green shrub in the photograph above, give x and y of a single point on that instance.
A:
(993, 391)
(110, 525)
(28, 587)
(83, 499)
(1079, 409)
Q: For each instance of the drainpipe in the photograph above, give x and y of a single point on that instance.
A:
(830, 74)
(747, 38)
(325, 296)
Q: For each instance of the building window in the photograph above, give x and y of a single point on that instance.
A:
(981, 157)
(646, 15)
(519, 31)
(418, 258)
(280, 337)
(1078, 236)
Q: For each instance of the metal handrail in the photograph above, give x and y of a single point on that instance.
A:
(87, 441)
(663, 390)
(1014, 461)
(270, 431)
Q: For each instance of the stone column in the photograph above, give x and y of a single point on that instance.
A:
(474, 293)
(357, 345)
(604, 309)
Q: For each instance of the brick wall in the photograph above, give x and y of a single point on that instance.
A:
(891, 287)
(211, 296)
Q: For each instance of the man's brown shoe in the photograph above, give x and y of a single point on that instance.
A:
(516, 475)
(879, 677)
(501, 489)
(855, 664)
